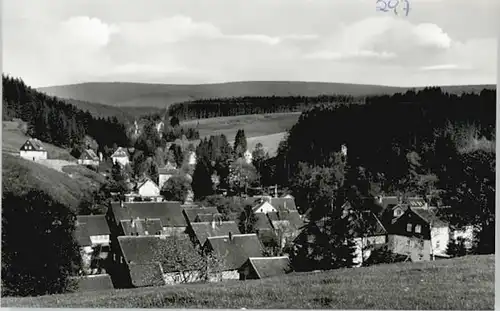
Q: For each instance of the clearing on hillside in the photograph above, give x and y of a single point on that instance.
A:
(465, 283)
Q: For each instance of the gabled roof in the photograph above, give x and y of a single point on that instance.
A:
(120, 153)
(283, 204)
(374, 226)
(34, 143)
(141, 226)
(169, 212)
(270, 266)
(89, 154)
(94, 224)
(430, 217)
(203, 230)
(416, 202)
(236, 251)
(144, 181)
(259, 205)
(262, 222)
(293, 218)
(191, 212)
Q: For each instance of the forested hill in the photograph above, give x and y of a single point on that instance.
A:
(54, 121)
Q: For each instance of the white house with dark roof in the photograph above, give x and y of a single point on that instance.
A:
(88, 157)
(33, 149)
(233, 250)
(121, 156)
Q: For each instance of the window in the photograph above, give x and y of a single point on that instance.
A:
(408, 227)
(397, 212)
(146, 232)
(418, 228)
(420, 256)
(437, 244)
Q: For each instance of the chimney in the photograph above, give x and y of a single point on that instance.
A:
(121, 203)
(213, 223)
(100, 156)
(276, 191)
(230, 236)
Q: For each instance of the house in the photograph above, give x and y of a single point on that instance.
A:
(138, 217)
(144, 190)
(33, 149)
(88, 157)
(233, 250)
(164, 173)
(199, 232)
(416, 232)
(264, 267)
(143, 261)
(191, 158)
(121, 156)
(93, 236)
(368, 233)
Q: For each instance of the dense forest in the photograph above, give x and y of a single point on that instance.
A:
(432, 144)
(55, 121)
(224, 107)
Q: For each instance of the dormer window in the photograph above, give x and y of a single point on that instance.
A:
(397, 212)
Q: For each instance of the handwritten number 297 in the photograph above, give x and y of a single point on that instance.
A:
(395, 5)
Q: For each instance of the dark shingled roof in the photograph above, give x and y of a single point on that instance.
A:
(430, 217)
(146, 275)
(270, 266)
(140, 226)
(81, 235)
(93, 282)
(151, 249)
(89, 154)
(203, 230)
(283, 204)
(35, 143)
(95, 224)
(169, 212)
(293, 218)
(190, 213)
(207, 217)
(235, 252)
(263, 222)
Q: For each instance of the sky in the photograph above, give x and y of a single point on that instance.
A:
(439, 42)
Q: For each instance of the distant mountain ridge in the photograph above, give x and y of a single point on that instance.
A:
(129, 94)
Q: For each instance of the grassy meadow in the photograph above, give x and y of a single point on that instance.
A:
(13, 137)
(465, 283)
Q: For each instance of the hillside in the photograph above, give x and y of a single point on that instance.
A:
(13, 137)
(19, 174)
(465, 283)
(121, 94)
(124, 114)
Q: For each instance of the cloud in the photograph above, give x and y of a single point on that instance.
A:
(443, 67)
(85, 31)
(383, 38)
(362, 54)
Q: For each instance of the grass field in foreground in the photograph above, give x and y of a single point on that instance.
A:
(463, 283)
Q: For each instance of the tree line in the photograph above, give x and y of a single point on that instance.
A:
(54, 121)
(432, 144)
(224, 107)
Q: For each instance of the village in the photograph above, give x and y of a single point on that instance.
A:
(142, 236)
